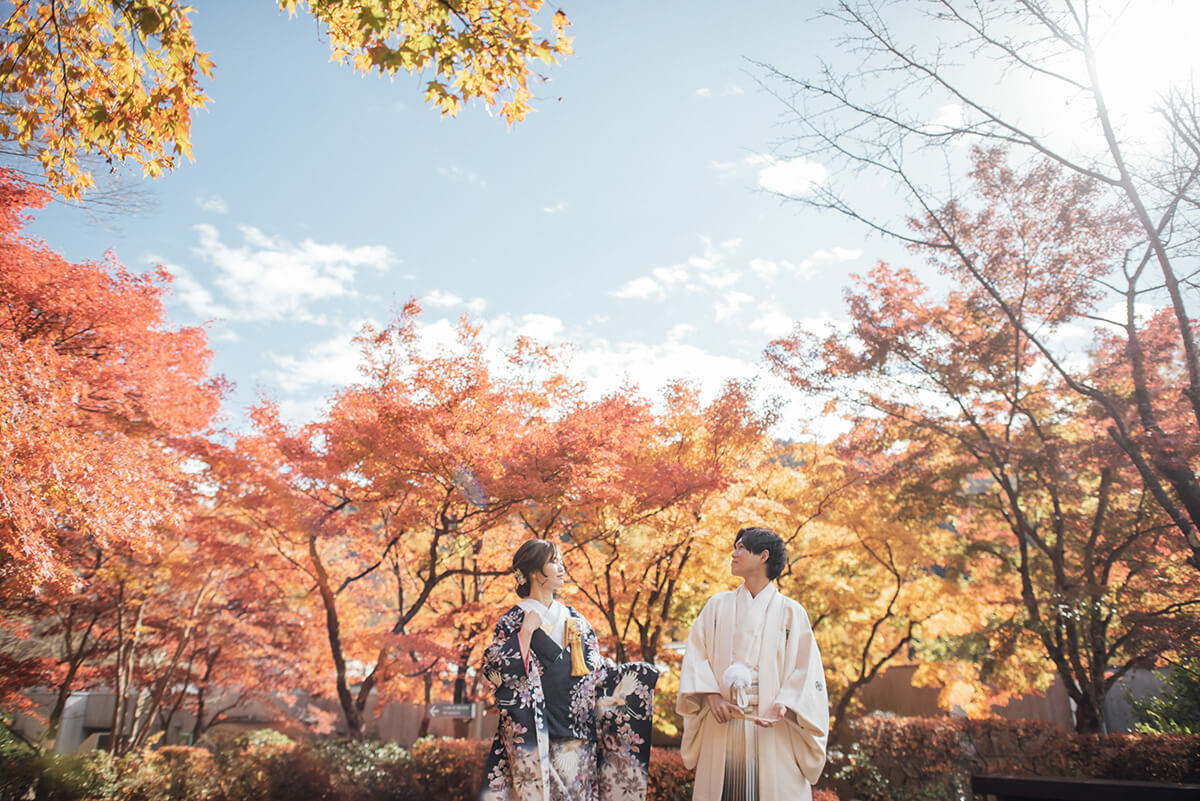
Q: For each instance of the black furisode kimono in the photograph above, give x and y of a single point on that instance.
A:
(583, 737)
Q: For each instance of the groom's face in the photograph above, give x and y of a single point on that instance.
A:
(744, 563)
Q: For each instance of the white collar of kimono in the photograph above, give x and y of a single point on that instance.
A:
(554, 617)
(756, 604)
(751, 613)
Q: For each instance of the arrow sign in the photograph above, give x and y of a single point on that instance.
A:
(452, 710)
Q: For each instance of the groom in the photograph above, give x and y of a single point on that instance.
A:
(752, 688)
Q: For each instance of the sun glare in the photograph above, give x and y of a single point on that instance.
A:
(1142, 53)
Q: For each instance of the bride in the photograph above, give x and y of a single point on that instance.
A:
(573, 725)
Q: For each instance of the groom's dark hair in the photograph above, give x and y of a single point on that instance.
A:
(757, 540)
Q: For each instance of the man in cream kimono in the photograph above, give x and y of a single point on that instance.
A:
(752, 689)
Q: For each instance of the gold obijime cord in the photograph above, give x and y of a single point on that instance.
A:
(575, 643)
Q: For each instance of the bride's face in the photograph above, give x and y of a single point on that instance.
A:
(555, 574)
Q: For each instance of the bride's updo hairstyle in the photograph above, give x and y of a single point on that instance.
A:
(529, 560)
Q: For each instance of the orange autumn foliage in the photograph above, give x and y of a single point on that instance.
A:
(965, 414)
(97, 398)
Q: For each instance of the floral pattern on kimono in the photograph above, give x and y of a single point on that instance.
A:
(611, 706)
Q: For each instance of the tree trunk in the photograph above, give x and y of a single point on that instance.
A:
(354, 720)
(198, 726)
(50, 737)
(154, 698)
(1089, 716)
(460, 697)
(424, 728)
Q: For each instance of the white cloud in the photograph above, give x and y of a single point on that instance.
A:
(675, 274)
(439, 334)
(765, 269)
(607, 366)
(212, 202)
(769, 269)
(690, 274)
(541, 328)
(729, 90)
(325, 365)
(771, 322)
(270, 278)
(557, 208)
(679, 331)
(642, 288)
(945, 119)
(1142, 312)
(476, 305)
(308, 378)
(441, 300)
(805, 268)
(824, 324)
(190, 292)
(730, 303)
(836, 254)
(722, 166)
(794, 177)
(721, 280)
(1071, 331)
(302, 410)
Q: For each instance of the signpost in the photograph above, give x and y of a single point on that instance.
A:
(452, 711)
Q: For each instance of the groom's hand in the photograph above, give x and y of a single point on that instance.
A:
(774, 715)
(721, 709)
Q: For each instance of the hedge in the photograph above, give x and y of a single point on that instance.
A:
(268, 766)
(930, 759)
(892, 759)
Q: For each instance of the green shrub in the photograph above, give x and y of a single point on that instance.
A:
(18, 772)
(1175, 708)
(268, 766)
(67, 777)
(169, 773)
(369, 771)
(19, 765)
(447, 770)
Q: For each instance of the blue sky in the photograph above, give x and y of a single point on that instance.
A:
(633, 215)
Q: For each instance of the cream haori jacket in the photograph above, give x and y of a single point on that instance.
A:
(791, 754)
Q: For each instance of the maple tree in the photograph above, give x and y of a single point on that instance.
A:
(101, 408)
(876, 577)
(158, 627)
(875, 119)
(72, 628)
(631, 521)
(1061, 529)
(476, 49)
(398, 502)
(119, 80)
(98, 398)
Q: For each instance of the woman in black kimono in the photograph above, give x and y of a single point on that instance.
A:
(573, 725)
